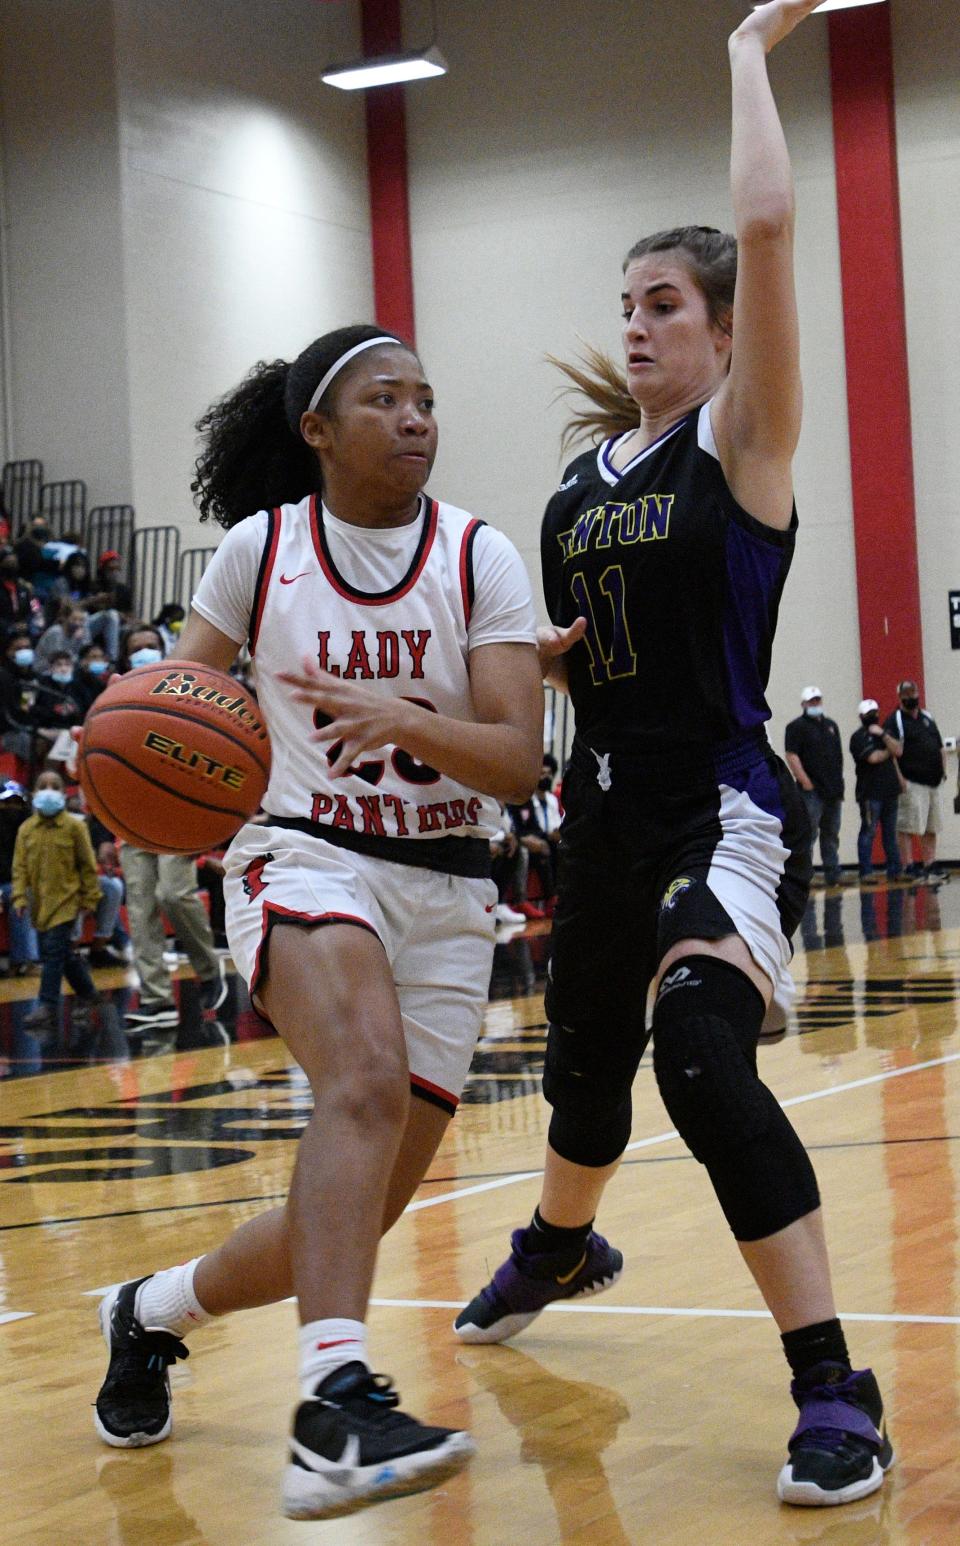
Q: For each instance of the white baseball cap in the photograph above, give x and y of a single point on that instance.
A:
(867, 705)
(809, 693)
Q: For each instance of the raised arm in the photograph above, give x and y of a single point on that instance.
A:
(756, 414)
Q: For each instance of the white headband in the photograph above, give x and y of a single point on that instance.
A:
(337, 366)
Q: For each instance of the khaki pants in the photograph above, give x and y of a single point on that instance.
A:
(165, 883)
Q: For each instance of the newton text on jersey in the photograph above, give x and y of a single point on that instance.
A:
(643, 520)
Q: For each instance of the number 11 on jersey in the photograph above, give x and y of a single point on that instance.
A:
(607, 637)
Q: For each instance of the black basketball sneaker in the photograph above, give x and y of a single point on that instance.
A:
(133, 1406)
(351, 1447)
(839, 1450)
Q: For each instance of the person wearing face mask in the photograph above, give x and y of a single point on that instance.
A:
(15, 594)
(39, 565)
(169, 623)
(69, 631)
(18, 695)
(814, 754)
(54, 878)
(922, 766)
(93, 670)
(58, 707)
(873, 750)
(159, 884)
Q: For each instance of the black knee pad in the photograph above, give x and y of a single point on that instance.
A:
(588, 1074)
(706, 1023)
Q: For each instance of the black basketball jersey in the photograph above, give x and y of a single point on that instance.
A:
(680, 588)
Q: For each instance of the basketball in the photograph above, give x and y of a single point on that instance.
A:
(174, 757)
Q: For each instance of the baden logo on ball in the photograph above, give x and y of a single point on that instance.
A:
(174, 757)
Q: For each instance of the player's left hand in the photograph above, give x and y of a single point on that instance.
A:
(361, 718)
(772, 22)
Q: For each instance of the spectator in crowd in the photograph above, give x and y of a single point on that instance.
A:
(111, 584)
(168, 623)
(93, 669)
(509, 870)
(922, 764)
(815, 758)
(55, 876)
(549, 814)
(539, 858)
(159, 884)
(15, 594)
(38, 566)
(18, 695)
(59, 705)
(111, 946)
(873, 750)
(74, 582)
(70, 631)
(21, 935)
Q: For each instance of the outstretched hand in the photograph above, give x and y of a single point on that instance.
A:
(360, 718)
(772, 22)
(554, 642)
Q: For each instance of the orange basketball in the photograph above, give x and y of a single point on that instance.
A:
(174, 757)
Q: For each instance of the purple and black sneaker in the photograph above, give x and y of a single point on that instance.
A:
(527, 1282)
(839, 1449)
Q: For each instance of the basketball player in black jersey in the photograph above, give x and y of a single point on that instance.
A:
(664, 554)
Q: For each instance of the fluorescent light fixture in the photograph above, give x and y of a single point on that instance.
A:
(386, 69)
(844, 5)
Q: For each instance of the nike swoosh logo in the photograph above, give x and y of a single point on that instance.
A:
(285, 581)
(490, 908)
(571, 1275)
(340, 1342)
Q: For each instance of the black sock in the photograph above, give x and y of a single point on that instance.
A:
(541, 1238)
(810, 1345)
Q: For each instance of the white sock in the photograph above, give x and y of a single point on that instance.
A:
(328, 1345)
(167, 1300)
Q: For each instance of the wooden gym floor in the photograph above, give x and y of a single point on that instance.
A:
(654, 1415)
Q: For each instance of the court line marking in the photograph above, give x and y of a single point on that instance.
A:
(15, 1315)
(675, 1310)
(570, 1308)
(647, 1143)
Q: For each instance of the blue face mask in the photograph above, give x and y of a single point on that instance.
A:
(61, 676)
(23, 657)
(97, 667)
(49, 802)
(145, 657)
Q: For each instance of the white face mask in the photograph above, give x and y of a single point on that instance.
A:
(813, 709)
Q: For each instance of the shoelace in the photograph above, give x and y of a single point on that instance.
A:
(834, 1395)
(150, 1353)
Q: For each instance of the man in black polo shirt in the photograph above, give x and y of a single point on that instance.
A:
(815, 758)
(922, 764)
(878, 790)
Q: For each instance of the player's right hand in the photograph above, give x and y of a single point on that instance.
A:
(554, 642)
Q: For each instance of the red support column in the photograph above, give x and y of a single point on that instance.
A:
(878, 391)
(387, 177)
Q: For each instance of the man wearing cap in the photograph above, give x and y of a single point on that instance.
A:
(922, 766)
(874, 753)
(815, 758)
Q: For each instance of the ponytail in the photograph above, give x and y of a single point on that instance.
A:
(251, 459)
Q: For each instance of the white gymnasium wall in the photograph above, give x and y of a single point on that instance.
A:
(927, 59)
(245, 211)
(63, 242)
(535, 164)
(182, 198)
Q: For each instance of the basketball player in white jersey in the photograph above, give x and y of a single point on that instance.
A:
(394, 645)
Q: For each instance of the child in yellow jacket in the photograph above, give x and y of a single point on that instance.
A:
(55, 874)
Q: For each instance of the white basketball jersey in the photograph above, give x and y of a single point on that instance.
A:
(409, 640)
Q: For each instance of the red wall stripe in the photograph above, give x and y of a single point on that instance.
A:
(387, 177)
(878, 390)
